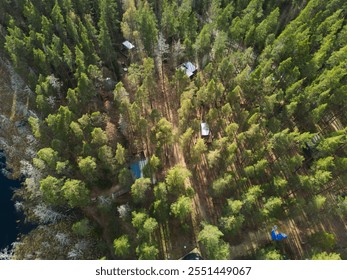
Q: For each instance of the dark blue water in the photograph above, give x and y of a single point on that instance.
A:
(8, 226)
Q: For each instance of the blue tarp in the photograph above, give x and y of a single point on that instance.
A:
(277, 236)
(136, 168)
(273, 235)
(281, 236)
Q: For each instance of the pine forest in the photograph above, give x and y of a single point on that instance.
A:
(161, 128)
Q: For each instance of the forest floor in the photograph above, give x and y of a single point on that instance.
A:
(179, 243)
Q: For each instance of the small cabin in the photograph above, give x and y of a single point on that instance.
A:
(189, 68)
(205, 130)
(127, 45)
(126, 49)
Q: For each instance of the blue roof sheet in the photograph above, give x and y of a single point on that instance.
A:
(137, 167)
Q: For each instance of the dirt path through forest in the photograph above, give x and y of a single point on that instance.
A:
(102, 221)
(178, 158)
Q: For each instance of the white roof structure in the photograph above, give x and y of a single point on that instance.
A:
(189, 68)
(128, 45)
(205, 129)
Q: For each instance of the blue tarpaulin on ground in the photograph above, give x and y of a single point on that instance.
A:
(273, 235)
(277, 236)
(281, 236)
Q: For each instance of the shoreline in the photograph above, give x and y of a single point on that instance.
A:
(9, 218)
